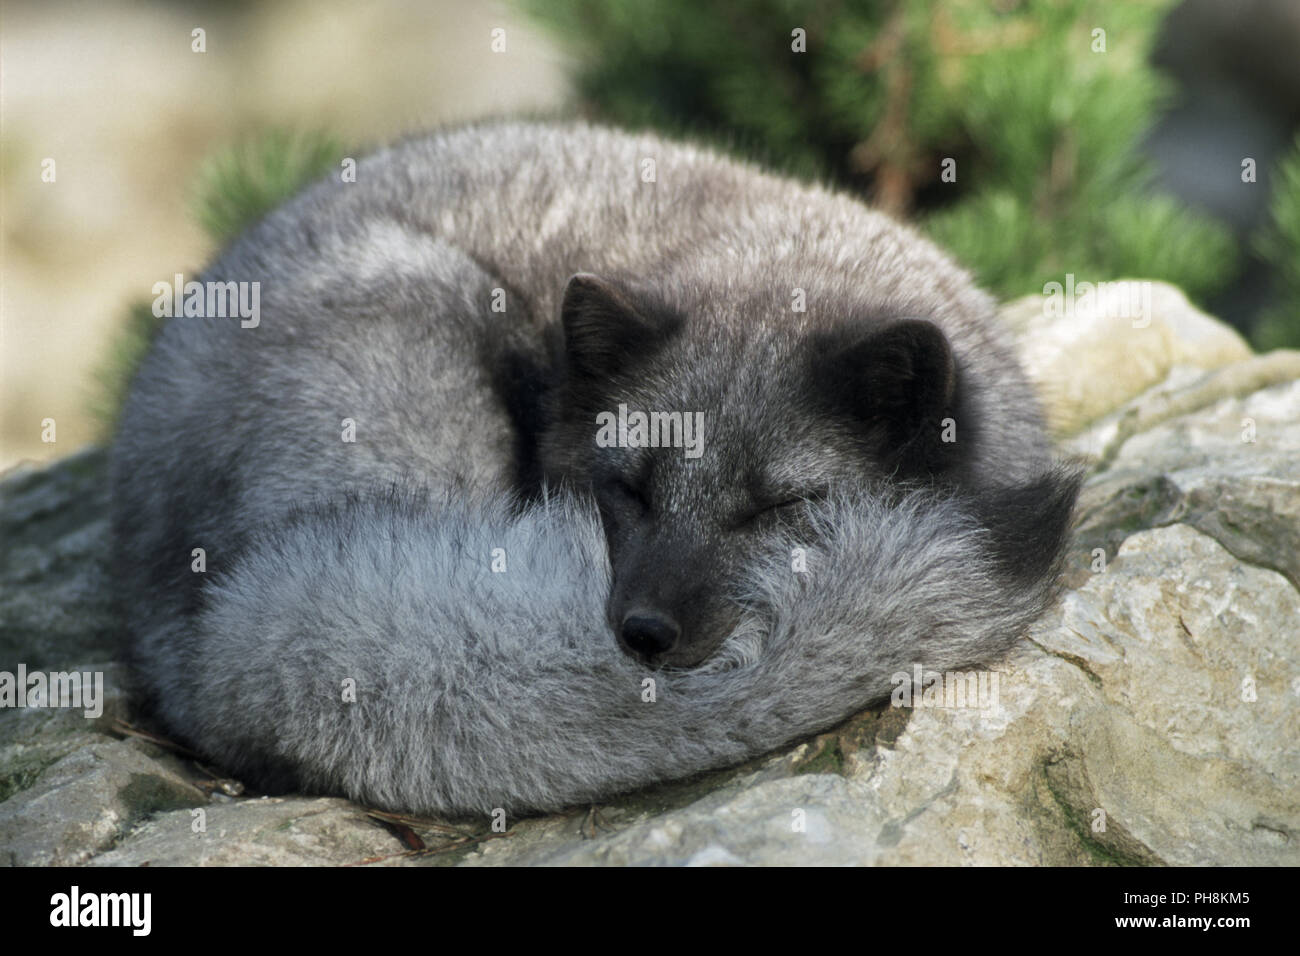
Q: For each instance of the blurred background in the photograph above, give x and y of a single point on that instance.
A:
(1152, 139)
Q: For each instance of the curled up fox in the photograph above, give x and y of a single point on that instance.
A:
(451, 559)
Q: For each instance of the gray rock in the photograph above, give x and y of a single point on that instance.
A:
(55, 595)
(267, 831)
(1230, 468)
(83, 803)
(32, 739)
(814, 819)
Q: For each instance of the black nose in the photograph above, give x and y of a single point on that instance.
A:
(648, 633)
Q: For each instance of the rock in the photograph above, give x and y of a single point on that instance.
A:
(55, 591)
(1230, 467)
(32, 739)
(1098, 351)
(1151, 718)
(818, 818)
(84, 802)
(1187, 741)
(270, 831)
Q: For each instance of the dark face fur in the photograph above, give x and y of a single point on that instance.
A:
(787, 415)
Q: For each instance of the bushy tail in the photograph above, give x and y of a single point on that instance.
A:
(372, 650)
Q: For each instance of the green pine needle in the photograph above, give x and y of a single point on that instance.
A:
(235, 187)
(242, 183)
(1280, 246)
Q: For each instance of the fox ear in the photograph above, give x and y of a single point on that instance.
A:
(899, 383)
(604, 330)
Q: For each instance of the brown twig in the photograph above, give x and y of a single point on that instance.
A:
(419, 823)
(128, 730)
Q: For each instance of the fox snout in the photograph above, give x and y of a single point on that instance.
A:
(670, 603)
(649, 634)
(672, 633)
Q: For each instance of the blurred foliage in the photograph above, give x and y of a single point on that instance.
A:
(239, 185)
(1043, 128)
(1279, 327)
(112, 377)
(235, 188)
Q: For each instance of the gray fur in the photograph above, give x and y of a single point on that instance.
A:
(368, 560)
(479, 690)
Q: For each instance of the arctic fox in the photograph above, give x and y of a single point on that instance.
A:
(562, 460)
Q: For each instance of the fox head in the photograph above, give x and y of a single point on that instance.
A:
(699, 437)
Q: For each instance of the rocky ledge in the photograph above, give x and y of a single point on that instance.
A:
(1152, 717)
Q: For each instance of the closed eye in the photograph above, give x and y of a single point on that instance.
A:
(770, 511)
